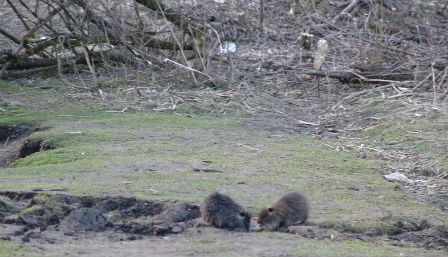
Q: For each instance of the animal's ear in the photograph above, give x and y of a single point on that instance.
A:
(242, 214)
(270, 209)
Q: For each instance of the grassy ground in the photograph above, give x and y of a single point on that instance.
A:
(154, 155)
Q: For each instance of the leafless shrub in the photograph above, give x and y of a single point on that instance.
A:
(140, 35)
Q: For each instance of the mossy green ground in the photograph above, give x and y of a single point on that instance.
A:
(10, 249)
(94, 152)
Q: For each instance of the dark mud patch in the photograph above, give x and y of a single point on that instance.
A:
(15, 144)
(435, 237)
(402, 232)
(13, 132)
(30, 146)
(28, 216)
(76, 214)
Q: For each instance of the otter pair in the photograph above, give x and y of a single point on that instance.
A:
(221, 211)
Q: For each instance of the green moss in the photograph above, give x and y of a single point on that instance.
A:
(32, 210)
(113, 216)
(10, 249)
(44, 198)
(48, 157)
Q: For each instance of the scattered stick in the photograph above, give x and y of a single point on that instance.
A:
(56, 189)
(249, 147)
(122, 111)
(207, 170)
(74, 132)
(361, 77)
(302, 122)
(6, 142)
(434, 88)
(401, 95)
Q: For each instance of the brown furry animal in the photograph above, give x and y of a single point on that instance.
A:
(221, 211)
(291, 208)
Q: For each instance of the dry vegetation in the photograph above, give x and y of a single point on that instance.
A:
(398, 44)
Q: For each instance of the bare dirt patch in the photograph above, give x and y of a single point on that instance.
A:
(96, 225)
(17, 145)
(12, 138)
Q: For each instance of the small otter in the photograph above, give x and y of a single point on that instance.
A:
(221, 211)
(289, 209)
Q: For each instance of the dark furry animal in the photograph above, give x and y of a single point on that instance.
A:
(291, 208)
(221, 211)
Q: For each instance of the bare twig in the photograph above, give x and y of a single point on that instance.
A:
(8, 35)
(187, 68)
(89, 64)
(196, 48)
(178, 43)
(421, 82)
(34, 13)
(346, 10)
(434, 89)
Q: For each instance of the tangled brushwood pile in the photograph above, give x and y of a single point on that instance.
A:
(226, 43)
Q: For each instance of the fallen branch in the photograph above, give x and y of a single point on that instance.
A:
(206, 170)
(23, 73)
(187, 68)
(362, 77)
